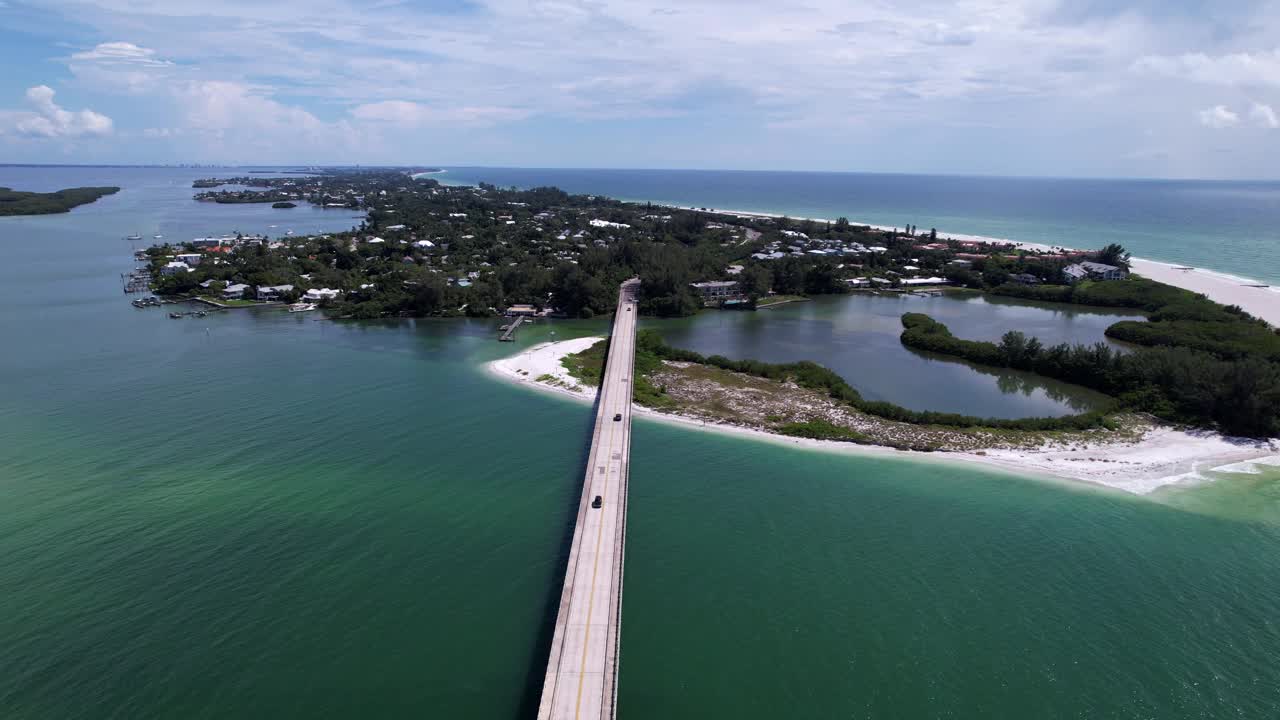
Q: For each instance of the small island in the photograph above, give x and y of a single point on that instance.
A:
(17, 202)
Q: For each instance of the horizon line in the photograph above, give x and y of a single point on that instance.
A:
(194, 166)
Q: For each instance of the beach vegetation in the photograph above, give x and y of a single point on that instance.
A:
(16, 202)
(1179, 380)
(811, 375)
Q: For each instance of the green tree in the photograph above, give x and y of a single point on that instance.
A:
(1114, 254)
(755, 281)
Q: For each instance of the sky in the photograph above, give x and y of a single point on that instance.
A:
(1094, 88)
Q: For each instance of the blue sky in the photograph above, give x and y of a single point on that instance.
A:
(1146, 88)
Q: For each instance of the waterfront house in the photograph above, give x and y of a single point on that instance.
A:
(320, 294)
(1092, 270)
(717, 291)
(234, 292)
(272, 293)
(1024, 279)
(521, 310)
(174, 268)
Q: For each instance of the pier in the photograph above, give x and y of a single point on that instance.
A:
(582, 671)
(509, 331)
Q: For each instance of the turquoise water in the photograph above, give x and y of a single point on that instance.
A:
(1232, 227)
(259, 515)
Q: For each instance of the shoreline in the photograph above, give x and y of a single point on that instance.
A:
(1219, 286)
(1163, 457)
(1257, 298)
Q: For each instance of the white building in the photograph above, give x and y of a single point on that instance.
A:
(717, 290)
(319, 294)
(424, 244)
(174, 268)
(607, 224)
(189, 259)
(234, 292)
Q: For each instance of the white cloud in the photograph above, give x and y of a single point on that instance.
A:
(48, 120)
(1264, 116)
(1218, 117)
(1234, 69)
(402, 113)
(121, 53)
(943, 34)
(800, 83)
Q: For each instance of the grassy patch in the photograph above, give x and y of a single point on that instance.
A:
(587, 366)
(779, 300)
(822, 430)
(230, 303)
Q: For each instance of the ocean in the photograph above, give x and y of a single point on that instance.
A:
(263, 515)
(1230, 227)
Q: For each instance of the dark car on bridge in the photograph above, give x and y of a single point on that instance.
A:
(597, 502)
(617, 417)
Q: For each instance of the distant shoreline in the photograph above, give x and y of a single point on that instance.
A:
(1260, 299)
(1163, 457)
(1219, 286)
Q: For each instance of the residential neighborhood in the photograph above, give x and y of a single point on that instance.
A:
(424, 248)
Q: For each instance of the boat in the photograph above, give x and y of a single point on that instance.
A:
(175, 315)
(302, 307)
(134, 236)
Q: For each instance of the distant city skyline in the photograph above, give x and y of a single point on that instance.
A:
(1093, 88)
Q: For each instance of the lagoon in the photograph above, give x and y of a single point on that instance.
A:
(857, 336)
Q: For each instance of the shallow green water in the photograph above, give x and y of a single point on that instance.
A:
(257, 515)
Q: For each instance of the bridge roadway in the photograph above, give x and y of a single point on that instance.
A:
(582, 671)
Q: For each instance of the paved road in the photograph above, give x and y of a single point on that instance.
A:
(582, 671)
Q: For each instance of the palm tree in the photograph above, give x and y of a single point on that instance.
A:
(1114, 254)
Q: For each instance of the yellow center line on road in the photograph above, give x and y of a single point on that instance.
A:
(595, 568)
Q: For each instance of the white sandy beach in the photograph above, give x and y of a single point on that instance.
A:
(1162, 457)
(1261, 302)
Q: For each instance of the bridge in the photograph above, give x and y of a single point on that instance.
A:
(582, 671)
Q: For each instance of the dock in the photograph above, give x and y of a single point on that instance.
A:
(509, 331)
(582, 670)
